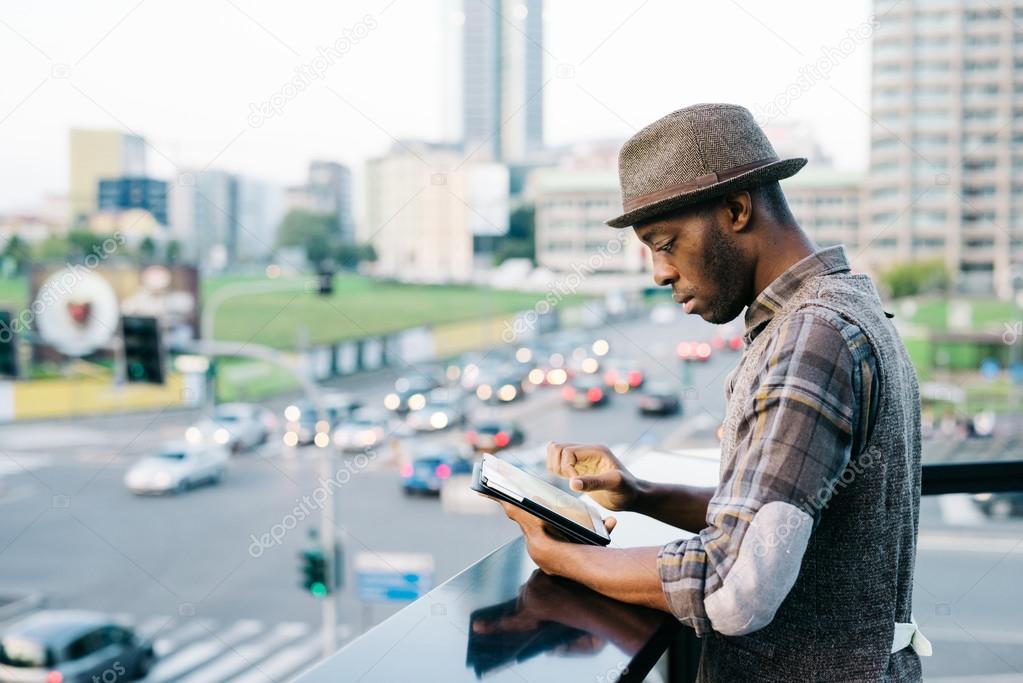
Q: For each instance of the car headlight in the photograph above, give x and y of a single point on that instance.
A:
(162, 479)
(392, 401)
(292, 413)
(484, 392)
(507, 392)
(416, 401)
(193, 435)
(439, 420)
(221, 436)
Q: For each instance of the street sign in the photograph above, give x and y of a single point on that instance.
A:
(389, 577)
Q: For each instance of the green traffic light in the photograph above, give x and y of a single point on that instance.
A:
(318, 589)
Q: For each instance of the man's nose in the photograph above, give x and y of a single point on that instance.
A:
(664, 273)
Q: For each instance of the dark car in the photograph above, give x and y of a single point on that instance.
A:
(427, 472)
(72, 647)
(623, 374)
(493, 436)
(585, 391)
(1000, 505)
(659, 399)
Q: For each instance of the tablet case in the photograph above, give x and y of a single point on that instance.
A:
(573, 531)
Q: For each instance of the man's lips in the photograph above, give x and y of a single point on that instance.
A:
(685, 301)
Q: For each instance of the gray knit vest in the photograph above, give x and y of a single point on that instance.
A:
(856, 579)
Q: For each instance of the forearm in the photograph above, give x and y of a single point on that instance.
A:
(681, 506)
(626, 574)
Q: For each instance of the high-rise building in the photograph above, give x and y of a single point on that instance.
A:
(222, 218)
(425, 205)
(572, 203)
(827, 204)
(945, 139)
(95, 155)
(328, 189)
(502, 78)
(118, 194)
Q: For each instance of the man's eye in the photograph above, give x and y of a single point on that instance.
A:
(666, 247)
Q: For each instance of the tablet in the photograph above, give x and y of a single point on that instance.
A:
(566, 512)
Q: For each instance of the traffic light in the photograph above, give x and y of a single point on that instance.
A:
(314, 572)
(8, 347)
(143, 351)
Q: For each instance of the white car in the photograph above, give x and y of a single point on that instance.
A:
(444, 408)
(176, 467)
(367, 428)
(235, 426)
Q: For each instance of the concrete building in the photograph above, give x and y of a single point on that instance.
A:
(328, 189)
(425, 205)
(222, 219)
(947, 127)
(502, 78)
(572, 204)
(828, 204)
(95, 155)
(119, 194)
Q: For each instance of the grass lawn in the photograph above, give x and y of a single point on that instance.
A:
(988, 314)
(14, 294)
(359, 307)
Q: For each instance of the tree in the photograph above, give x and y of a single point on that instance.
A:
(916, 277)
(520, 240)
(147, 249)
(18, 252)
(173, 253)
(316, 232)
(83, 242)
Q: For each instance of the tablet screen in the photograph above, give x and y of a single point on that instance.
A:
(540, 492)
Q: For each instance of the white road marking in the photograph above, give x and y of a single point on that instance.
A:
(183, 661)
(237, 659)
(285, 663)
(971, 543)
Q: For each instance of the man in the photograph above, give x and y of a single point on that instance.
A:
(801, 565)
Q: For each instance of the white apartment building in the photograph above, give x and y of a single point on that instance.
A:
(425, 204)
(947, 139)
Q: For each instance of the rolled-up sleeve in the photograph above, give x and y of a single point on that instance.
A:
(806, 415)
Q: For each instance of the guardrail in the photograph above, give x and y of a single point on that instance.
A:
(500, 616)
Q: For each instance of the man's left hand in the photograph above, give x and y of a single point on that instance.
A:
(549, 549)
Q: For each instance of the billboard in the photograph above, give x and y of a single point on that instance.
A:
(76, 310)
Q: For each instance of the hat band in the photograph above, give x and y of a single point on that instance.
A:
(699, 183)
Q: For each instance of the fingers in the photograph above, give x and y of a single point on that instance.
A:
(608, 481)
(555, 451)
(610, 523)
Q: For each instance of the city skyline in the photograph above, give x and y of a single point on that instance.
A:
(195, 106)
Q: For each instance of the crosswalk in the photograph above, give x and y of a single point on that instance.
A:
(199, 650)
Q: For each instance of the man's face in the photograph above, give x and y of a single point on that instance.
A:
(697, 255)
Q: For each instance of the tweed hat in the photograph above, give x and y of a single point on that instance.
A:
(693, 154)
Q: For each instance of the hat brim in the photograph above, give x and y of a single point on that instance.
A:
(776, 170)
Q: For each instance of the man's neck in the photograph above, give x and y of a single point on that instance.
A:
(785, 248)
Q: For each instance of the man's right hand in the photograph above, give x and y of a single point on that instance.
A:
(594, 469)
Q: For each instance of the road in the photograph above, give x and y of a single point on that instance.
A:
(185, 568)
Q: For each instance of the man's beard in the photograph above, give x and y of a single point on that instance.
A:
(724, 266)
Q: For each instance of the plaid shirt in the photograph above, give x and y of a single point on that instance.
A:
(814, 399)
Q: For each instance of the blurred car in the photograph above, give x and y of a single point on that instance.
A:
(698, 351)
(303, 423)
(623, 374)
(585, 391)
(442, 408)
(410, 393)
(427, 472)
(504, 386)
(728, 338)
(659, 398)
(1000, 505)
(493, 436)
(235, 426)
(367, 428)
(176, 467)
(64, 646)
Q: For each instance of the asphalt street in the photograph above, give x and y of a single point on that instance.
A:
(187, 570)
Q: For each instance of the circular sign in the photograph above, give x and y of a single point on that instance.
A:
(76, 311)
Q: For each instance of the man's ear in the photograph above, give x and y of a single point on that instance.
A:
(740, 210)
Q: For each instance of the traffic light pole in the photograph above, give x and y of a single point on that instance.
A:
(328, 529)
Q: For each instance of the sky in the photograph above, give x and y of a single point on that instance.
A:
(188, 74)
